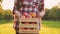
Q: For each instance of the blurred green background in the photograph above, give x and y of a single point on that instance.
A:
(50, 24)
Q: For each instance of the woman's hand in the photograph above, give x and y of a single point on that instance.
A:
(17, 13)
(42, 13)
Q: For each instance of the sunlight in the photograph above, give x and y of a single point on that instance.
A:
(8, 4)
(58, 3)
(50, 3)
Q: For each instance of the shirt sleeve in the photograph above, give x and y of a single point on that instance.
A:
(41, 6)
(15, 7)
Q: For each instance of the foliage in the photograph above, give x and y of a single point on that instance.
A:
(5, 14)
(53, 13)
(0, 0)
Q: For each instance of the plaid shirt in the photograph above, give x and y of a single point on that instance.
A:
(28, 5)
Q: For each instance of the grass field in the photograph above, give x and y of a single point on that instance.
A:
(47, 27)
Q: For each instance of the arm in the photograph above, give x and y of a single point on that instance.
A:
(41, 5)
(15, 7)
(41, 8)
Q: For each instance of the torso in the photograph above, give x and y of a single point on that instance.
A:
(28, 5)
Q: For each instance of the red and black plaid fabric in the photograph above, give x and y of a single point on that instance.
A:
(28, 5)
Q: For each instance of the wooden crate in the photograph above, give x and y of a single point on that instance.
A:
(29, 25)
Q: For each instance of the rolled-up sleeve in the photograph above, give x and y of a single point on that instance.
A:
(15, 7)
(41, 8)
(41, 5)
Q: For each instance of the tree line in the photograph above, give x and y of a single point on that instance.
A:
(52, 14)
(5, 14)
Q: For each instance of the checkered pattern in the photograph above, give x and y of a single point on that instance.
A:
(27, 5)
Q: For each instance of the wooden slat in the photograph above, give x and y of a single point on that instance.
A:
(28, 25)
(29, 20)
(28, 31)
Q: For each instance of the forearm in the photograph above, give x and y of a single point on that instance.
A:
(41, 8)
